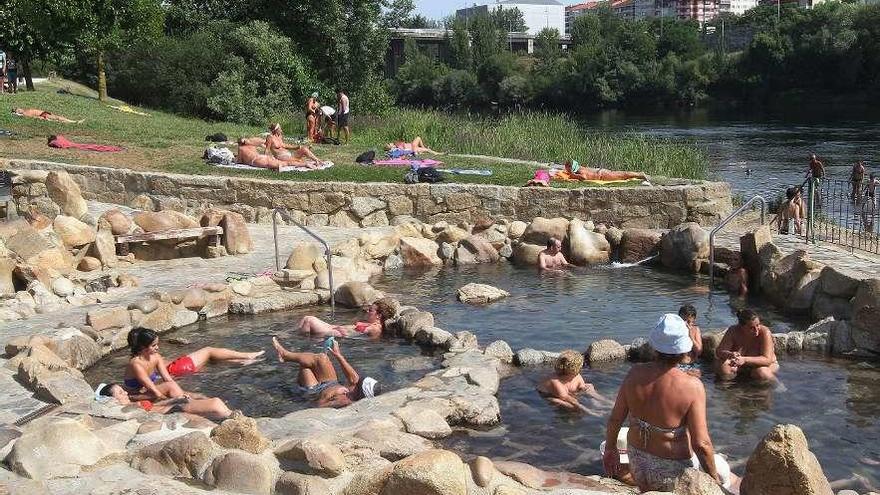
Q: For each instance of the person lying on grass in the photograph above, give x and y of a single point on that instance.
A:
(317, 378)
(417, 146)
(36, 113)
(249, 154)
(562, 389)
(573, 170)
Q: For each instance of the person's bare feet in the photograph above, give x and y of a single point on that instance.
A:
(279, 349)
(255, 355)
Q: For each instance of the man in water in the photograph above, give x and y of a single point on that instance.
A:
(817, 168)
(552, 259)
(746, 350)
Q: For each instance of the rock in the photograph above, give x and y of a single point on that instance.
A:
(542, 229)
(104, 248)
(866, 315)
(585, 247)
(89, 264)
(433, 336)
(839, 283)
(241, 287)
(76, 348)
(641, 351)
(240, 432)
(614, 236)
(376, 245)
(163, 220)
(290, 483)
(363, 206)
(62, 287)
(711, 339)
(605, 351)
(241, 473)
(782, 464)
(841, 340)
(62, 388)
(465, 340)
(55, 449)
(164, 317)
(483, 471)
(409, 324)
(236, 238)
(304, 256)
(516, 229)
(696, 482)
(417, 251)
(479, 249)
(525, 254)
(480, 293)
(525, 474)
(119, 223)
(184, 456)
(320, 456)
(500, 350)
(824, 305)
(758, 252)
(638, 244)
(791, 281)
(506, 251)
(531, 357)
(423, 421)
(681, 247)
(65, 192)
(795, 342)
(73, 233)
(450, 234)
(193, 298)
(142, 202)
(7, 287)
(116, 317)
(356, 294)
(433, 472)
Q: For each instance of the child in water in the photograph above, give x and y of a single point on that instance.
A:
(562, 389)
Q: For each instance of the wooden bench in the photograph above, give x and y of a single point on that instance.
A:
(212, 233)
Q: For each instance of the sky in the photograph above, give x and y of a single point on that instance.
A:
(437, 9)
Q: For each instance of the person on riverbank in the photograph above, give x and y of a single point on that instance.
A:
(343, 112)
(857, 178)
(667, 414)
(36, 113)
(312, 110)
(416, 146)
(791, 212)
(574, 171)
(688, 313)
(276, 146)
(147, 366)
(377, 313)
(551, 258)
(563, 388)
(317, 378)
(816, 169)
(213, 408)
(12, 74)
(746, 350)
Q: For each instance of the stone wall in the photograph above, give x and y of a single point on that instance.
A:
(347, 204)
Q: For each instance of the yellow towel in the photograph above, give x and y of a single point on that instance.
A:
(128, 109)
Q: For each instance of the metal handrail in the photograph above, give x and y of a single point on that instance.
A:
(284, 216)
(723, 224)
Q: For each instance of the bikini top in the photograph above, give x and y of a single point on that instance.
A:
(361, 326)
(645, 430)
(135, 384)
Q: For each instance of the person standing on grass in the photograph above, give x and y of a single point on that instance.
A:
(12, 74)
(343, 112)
(2, 72)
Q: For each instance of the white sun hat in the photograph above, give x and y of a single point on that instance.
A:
(671, 335)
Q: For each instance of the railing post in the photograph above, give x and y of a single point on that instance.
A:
(721, 226)
(810, 236)
(327, 253)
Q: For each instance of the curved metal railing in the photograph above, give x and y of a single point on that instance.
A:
(723, 224)
(278, 212)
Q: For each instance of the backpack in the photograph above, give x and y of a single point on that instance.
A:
(217, 138)
(429, 175)
(328, 140)
(366, 157)
(412, 177)
(219, 156)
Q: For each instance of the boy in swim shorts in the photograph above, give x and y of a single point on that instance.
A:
(562, 389)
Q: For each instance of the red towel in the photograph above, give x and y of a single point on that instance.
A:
(60, 141)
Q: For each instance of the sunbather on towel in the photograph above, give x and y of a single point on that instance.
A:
(276, 146)
(574, 171)
(250, 155)
(416, 146)
(36, 113)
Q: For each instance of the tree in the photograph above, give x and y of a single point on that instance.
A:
(547, 44)
(96, 26)
(508, 20)
(397, 13)
(18, 37)
(487, 40)
(459, 46)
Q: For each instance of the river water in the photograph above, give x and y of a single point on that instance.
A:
(774, 145)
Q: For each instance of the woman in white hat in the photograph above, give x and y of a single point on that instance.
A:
(667, 414)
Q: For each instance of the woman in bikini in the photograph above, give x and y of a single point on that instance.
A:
(575, 171)
(312, 108)
(377, 313)
(667, 414)
(276, 147)
(210, 408)
(417, 146)
(36, 113)
(147, 366)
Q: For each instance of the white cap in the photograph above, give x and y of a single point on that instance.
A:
(367, 387)
(671, 335)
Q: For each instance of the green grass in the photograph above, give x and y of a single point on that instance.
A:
(168, 142)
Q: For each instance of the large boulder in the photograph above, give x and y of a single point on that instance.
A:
(525, 254)
(241, 472)
(409, 324)
(377, 245)
(683, 246)
(638, 244)
(480, 293)
(696, 482)
(501, 350)
(433, 472)
(356, 294)
(586, 247)
(118, 221)
(304, 256)
(7, 288)
(55, 449)
(605, 351)
(791, 282)
(866, 315)
(184, 456)
(417, 251)
(476, 249)
(65, 192)
(62, 387)
(758, 252)
(542, 229)
(73, 232)
(240, 432)
(236, 237)
(320, 456)
(782, 464)
(163, 220)
(76, 348)
(104, 248)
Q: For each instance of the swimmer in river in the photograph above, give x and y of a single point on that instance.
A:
(551, 258)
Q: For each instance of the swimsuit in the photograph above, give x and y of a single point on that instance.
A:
(315, 390)
(361, 326)
(135, 384)
(655, 473)
(181, 366)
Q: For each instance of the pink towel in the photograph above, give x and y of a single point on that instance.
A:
(60, 141)
(400, 162)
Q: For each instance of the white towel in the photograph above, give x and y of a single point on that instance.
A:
(286, 168)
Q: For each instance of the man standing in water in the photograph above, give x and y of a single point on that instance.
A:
(747, 348)
(857, 176)
(552, 259)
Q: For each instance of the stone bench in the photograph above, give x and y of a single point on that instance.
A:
(212, 233)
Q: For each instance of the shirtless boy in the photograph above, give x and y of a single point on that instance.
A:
(552, 257)
(562, 388)
(747, 349)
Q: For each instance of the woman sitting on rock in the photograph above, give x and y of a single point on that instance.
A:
(146, 366)
(377, 313)
(210, 408)
(667, 414)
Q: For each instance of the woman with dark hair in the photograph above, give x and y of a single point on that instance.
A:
(377, 313)
(746, 349)
(210, 408)
(667, 414)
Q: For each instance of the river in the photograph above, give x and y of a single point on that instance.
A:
(763, 151)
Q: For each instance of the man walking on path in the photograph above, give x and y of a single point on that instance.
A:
(343, 111)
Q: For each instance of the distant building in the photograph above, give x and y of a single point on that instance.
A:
(737, 7)
(538, 14)
(624, 8)
(700, 10)
(572, 12)
(804, 4)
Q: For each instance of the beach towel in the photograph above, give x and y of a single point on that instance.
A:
(400, 162)
(128, 109)
(465, 171)
(286, 168)
(59, 141)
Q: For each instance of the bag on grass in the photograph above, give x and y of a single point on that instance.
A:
(412, 177)
(329, 140)
(429, 175)
(366, 157)
(219, 156)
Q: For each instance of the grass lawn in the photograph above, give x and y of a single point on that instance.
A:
(167, 142)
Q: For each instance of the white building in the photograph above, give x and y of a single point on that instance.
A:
(538, 14)
(739, 7)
